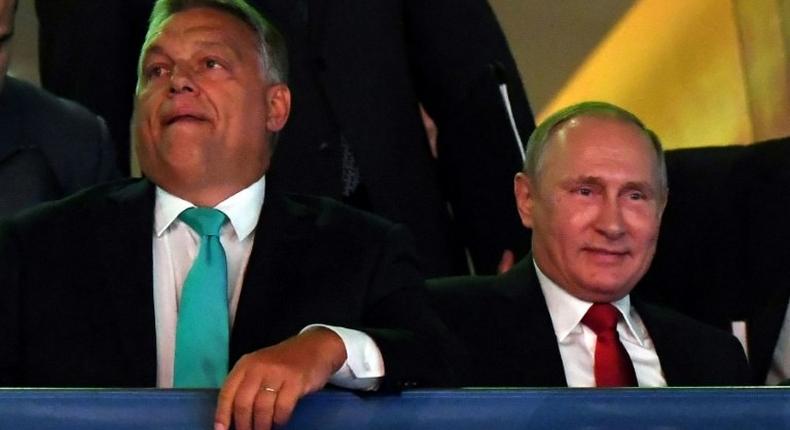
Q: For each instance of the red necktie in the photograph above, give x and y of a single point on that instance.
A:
(613, 366)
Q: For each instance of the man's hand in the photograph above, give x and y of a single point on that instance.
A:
(264, 386)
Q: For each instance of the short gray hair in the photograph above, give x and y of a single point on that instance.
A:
(273, 52)
(536, 146)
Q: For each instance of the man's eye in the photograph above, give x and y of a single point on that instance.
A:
(155, 71)
(584, 191)
(636, 195)
(212, 64)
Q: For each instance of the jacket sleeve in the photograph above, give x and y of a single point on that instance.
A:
(416, 346)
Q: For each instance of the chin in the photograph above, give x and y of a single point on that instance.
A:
(607, 295)
(607, 289)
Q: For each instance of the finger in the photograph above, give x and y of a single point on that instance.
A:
(287, 398)
(264, 407)
(244, 402)
(506, 262)
(227, 393)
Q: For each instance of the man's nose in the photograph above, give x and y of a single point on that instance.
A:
(610, 220)
(181, 81)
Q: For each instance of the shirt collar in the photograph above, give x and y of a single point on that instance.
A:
(567, 311)
(243, 209)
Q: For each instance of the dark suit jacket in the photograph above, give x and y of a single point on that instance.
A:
(722, 254)
(50, 147)
(78, 299)
(507, 329)
(359, 69)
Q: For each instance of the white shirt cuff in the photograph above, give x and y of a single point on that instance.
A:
(364, 365)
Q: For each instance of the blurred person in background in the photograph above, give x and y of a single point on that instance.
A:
(50, 147)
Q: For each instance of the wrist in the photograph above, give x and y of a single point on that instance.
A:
(328, 345)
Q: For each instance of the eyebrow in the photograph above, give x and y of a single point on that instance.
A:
(155, 49)
(596, 180)
(645, 187)
(593, 180)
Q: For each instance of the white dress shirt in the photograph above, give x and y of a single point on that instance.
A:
(779, 370)
(175, 246)
(577, 341)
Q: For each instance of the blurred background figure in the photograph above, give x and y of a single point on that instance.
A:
(50, 147)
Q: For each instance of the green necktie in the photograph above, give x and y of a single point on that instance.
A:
(201, 358)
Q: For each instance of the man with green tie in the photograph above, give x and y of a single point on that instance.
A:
(196, 275)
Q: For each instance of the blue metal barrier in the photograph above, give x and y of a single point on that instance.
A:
(671, 408)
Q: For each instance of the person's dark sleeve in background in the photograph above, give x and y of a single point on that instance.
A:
(459, 55)
(52, 147)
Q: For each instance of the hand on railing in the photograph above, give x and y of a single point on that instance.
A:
(264, 386)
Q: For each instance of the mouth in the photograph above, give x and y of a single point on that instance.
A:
(184, 118)
(606, 252)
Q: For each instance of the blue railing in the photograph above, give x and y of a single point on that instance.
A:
(675, 408)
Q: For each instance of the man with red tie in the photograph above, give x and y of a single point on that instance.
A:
(593, 190)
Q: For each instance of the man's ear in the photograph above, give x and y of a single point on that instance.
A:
(524, 190)
(278, 99)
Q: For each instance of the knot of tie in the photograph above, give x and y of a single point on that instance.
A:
(602, 319)
(205, 221)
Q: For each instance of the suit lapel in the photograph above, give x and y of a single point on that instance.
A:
(672, 359)
(533, 331)
(129, 278)
(277, 257)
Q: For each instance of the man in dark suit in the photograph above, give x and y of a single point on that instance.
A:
(359, 72)
(593, 191)
(81, 310)
(50, 147)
